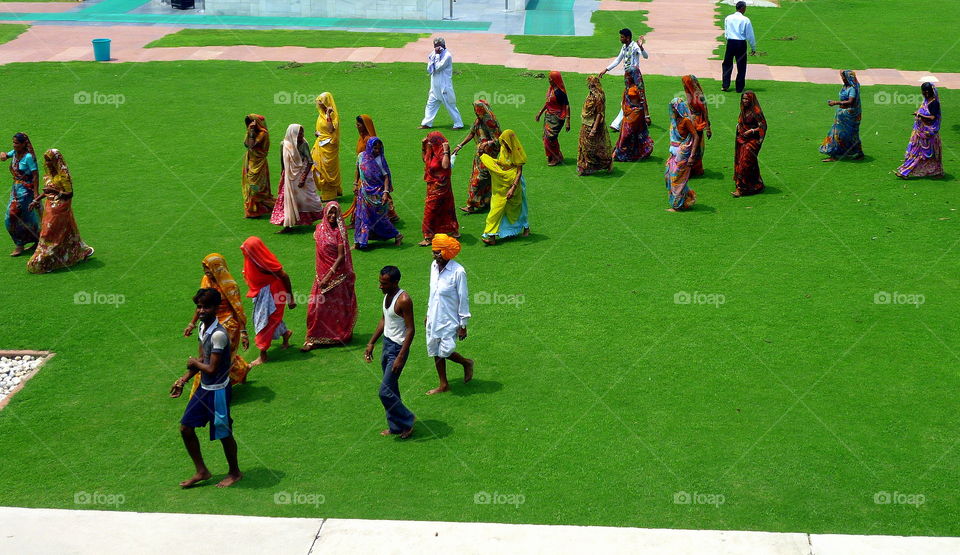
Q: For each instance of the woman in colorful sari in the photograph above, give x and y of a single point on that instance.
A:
(326, 149)
(683, 143)
(60, 245)
(634, 143)
(373, 221)
(257, 198)
(508, 206)
(697, 103)
(230, 314)
(365, 130)
(923, 157)
(751, 130)
(23, 223)
(485, 131)
(297, 202)
(332, 311)
(593, 150)
(439, 208)
(843, 140)
(269, 287)
(557, 108)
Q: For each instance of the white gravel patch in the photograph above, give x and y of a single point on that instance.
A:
(14, 370)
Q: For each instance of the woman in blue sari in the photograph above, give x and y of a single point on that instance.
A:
(23, 224)
(683, 143)
(373, 194)
(843, 140)
(923, 157)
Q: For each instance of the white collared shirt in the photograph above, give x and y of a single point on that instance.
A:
(738, 27)
(449, 305)
(630, 56)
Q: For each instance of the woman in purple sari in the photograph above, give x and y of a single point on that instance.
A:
(373, 194)
(923, 157)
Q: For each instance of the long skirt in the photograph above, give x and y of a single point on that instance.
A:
(440, 211)
(60, 245)
(478, 193)
(332, 312)
(634, 143)
(677, 174)
(552, 126)
(498, 221)
(594, 153)
(746, 167)
(372, 221)
(255, 185)
(843, 139)
(303, 218)
(923, 158)
(268, 318)
(22, 224)
(696, 157)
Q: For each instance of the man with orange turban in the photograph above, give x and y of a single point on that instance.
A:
(448, 310)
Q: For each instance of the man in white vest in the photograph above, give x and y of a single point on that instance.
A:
(440, 68)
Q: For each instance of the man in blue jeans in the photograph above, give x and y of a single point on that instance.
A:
(396, 327)
(738, 30)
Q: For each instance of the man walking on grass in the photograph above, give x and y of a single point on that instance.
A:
(630, 54)
(440, 68)
(738, 30)
(448, 310)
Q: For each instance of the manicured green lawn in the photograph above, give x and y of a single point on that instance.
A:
(10, 31)
(602, 44)
(598, 399)
(273, 37)
(856, 34)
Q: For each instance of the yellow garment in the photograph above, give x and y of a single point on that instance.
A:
(326, 151)
(505, 170)
(448, 246)
(58, 175)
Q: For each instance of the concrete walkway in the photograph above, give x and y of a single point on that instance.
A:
(108, 532)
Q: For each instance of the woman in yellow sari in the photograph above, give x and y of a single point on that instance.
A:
(508, 210)
(326, 150)
(230, 314)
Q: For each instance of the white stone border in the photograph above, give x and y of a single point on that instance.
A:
(45, 357)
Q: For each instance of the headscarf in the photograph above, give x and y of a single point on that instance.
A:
(697, 100)
(222, 281)
(596, 100)
(15, 165)
(511, 151)
(678, 112)
(850, 80)
(325, 235)
(260, 123)
(368, 131)
(751, 116)
(58, 174)
(296, 164)
(485, 127)
(327, 99)
(260, 267)
(433, 170)
(931, 106)
(374, 168)
(448, 246)
(557, 101)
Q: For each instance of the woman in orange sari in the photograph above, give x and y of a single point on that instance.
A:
(230, 314)
(257, 198)
(269, 287)
(439, 208)
(697, 102)
(634, 143)
(332, 311)
(557, 108)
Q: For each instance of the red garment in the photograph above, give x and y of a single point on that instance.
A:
(557, 102)
(440, 208)
(332, 310)
(261, 269)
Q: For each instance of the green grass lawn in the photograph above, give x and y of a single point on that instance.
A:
(10, 31)
(603, 43)
(273, 37)
(855, 34)
(597, 399)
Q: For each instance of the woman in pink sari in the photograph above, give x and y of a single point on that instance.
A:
(332, 311)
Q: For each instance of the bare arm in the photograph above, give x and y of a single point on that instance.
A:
(289, 289)
(368, 352)
(405, 307)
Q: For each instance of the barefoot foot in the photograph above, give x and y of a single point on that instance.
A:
(398, 240)
(17, 251)
(230, 480)
(425, 243)
(386, 432)
(442, 389)
(407, 433)
(258, 361)
(468, 370)
(193, 480)
(286, 340)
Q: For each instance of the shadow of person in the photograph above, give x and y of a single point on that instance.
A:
(258, 477)
(251, 392)
(700, 208)
(476, 387)
(427, 430)
(711, 174)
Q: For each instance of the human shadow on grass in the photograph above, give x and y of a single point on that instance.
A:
(475, 387)
(700, 208)
(251, 392)
(92, 263)
(711, 174)
(427, 430)
(257, 477)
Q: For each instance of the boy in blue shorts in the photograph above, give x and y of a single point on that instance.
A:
(211, 402)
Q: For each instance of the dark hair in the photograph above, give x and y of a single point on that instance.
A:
(360, 120)
(20, 138)
(741, 5)
(207, 297)
(392, 272)
(626, 32)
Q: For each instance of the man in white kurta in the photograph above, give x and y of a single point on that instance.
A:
(440, 68)
(448, 310)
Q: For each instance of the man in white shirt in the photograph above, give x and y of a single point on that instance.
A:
(440, 68)
(448, 310)
(738, 31)
(630, 54)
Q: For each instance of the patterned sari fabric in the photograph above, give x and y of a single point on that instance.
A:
(507, 217)
(261, 271)
(923, 157)
(332, 310)
(326, 150)
(440, 208)
(373, 221)
(843, 140)
(634, 78)
(593, 151)
(634, 143)
(683, 133)
(751, 130)
(486, 132)
(297, 201)
(60, 245)
(697, 102)
(366, 130)
(257, 198)
(558, 111)
(23, 224)
(230, 313)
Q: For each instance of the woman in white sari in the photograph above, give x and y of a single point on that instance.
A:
(297, 202)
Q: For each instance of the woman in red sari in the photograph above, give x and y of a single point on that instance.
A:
(332, 311)
(751, 130)
(270, 290)
(440, 208)
(697, 103)
(557, 108)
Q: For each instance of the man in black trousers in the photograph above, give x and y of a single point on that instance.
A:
(738, 30)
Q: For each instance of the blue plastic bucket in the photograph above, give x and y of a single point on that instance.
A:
(101, 50)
